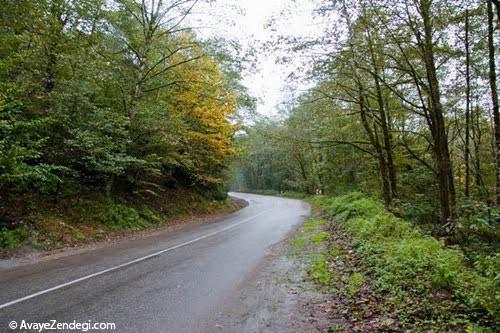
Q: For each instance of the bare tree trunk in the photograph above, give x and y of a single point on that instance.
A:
(109, 186)
(371, 133)
(497, 5)
(494, 96)
(467, 106)
(476, 136)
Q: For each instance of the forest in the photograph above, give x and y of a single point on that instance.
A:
(403, 107)
(112, 107)
(116, 115)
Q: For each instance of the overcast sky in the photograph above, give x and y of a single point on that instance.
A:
(246, 21)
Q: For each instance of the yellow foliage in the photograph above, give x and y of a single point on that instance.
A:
(206, 104)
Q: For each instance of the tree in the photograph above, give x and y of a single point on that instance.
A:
(494, 94)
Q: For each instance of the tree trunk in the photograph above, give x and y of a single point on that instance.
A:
(467, 106)
(109, 186)
(373, 138)
(497, 5)
(447, 195)
(476, 136)
(391, 169)
(494, 96)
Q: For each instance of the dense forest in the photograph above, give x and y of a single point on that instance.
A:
(110, 99)
(403, 111)
(404, 106)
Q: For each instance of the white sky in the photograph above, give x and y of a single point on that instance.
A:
(245, 21)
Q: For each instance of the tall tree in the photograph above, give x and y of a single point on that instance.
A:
(494, 94)
(467, 105)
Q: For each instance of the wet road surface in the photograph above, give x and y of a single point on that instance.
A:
(168, 282)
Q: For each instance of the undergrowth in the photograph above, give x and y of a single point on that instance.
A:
(427, 280)
(73, 220)
(286, 194)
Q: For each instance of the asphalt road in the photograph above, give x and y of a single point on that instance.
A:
(168, 282)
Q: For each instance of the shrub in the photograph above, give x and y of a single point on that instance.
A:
(295, 195)
(118, 216)
(10, 239)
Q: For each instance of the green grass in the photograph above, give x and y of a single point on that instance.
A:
(319, 238)
(354, 282)
(118, 217)
(299, 242)
(76, 219)
(334, 252)
(78, 235)
(318, 271)
(314, 224)
(311, 238)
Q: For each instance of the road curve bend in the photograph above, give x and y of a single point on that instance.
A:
(166, 282)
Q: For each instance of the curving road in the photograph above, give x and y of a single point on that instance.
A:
(167, 282)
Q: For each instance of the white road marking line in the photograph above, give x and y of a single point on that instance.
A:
(86, 277)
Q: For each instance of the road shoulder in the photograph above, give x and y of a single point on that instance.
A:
(278, 296)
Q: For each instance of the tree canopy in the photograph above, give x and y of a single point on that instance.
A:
(117, 96)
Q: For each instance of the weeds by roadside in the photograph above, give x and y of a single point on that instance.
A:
(386, 275)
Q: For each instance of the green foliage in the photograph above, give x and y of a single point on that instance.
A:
(119, 216)
(354, 282)
(295, 195)
(477, 228)
(319, 238)
(20, 146)
(348, 206)
(265, 192)
(420, 211)
(314, 224)
(299, 242)
(409, 264)
(78, 235)
(334, 252)
(109, 99)
(10, 239)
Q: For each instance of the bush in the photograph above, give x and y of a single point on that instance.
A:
(409, 264)
(10, 239)
(118, 216)
(287, 194)
(478, 227)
